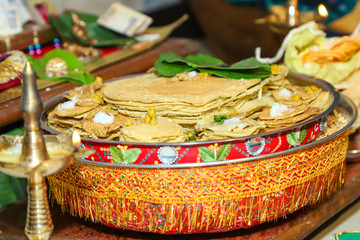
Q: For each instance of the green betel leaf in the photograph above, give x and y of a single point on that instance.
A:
(131, 155)
(239, 74)
(219, 119)
(171, 69)
(204, 60)
(11, 188)
(206, 154)
(223, 152)
(116, 154)
(249, 63)
(291, 138)
(170, 64)
(303, 133)
(76, 71)
(171, 57)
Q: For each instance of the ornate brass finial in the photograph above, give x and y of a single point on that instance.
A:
(33, 149)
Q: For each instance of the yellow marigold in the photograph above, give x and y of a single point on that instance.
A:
(203, 74)
(98, 96)
(153, 122)
(275, 69)
(296, 98)
(309, 90)
(314, 88)
(128, 123)
(99, 80)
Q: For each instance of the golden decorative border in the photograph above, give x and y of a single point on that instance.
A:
(204, 199)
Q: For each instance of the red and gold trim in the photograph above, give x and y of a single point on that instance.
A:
(202, 199)
(244, 148)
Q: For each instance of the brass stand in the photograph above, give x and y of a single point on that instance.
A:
(40, 156)
(38, 219)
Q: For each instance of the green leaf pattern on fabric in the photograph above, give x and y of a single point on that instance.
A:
(291, 138)
(296, 138)
(116, 154)
(128, 156)
(206, 154)
(223, 152)
(131, 155)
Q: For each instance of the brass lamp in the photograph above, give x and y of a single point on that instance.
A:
(35, 156)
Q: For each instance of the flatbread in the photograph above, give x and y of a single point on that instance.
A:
(100, 130)
(152, 89)
(291, 112)
(311, 111)
(165, 130)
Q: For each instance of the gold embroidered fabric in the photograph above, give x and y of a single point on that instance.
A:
(202, 199)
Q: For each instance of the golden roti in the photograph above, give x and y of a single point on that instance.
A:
(311, 111)
(103, 123)
(165, 130)
(231, 127)
(151, 89)
(282, 111)
(71, 109)
(61, 121)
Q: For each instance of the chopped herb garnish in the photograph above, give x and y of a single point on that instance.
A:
(191, 136)
(219, 119)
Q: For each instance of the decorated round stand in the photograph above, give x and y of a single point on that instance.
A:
(207, 196)
(212, 186)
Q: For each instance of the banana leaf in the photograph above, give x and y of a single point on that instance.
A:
(103, 37)
(76, 71)
(163, 31)
(11, 188)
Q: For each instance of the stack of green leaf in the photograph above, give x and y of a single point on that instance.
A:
(169, 64)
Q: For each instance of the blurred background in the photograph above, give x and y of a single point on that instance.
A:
(231, 29)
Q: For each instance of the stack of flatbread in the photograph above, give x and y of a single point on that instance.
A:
(83, 104)
(152, 108)
(187, 100)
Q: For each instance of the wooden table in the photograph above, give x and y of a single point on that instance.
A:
(9, 111)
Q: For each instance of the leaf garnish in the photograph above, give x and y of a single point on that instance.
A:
(169, 64)
(191, 136)
(219, 119)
